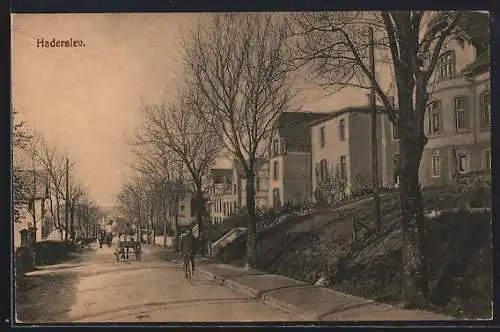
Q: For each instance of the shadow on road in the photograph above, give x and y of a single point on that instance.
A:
(37, 298)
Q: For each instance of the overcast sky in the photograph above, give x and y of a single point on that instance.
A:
(87, 99)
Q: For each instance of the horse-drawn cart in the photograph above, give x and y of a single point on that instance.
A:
(127, 243)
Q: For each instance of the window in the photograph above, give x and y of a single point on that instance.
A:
(434, 110)
(257, 184)
(276, 170)
(322, 136)
(461, 113)
(396, 164)
(31, 206)
(485, 110)
(284, 147)
(182, 210)
(342, 129)
(276, 147)
(463, 163)
(395, 131)
(323, 170)
(276, 198)
(446, 66)
(435, 166)
(487, 159)
(343, 167)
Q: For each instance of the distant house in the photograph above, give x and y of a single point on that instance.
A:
(34, 208)
(184, 201)
(261, 183)
(222, 193)
(289, 155)
(341, 149)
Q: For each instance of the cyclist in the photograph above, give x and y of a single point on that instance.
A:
(188, 249)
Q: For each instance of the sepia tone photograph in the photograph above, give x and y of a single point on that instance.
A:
(251, 167)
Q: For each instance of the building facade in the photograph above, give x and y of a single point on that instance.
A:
(341, 151)
(223, 195)
(185, 215)
(34, 208)
(228, 189)
(289, 154)
(261, 184)
(458, 118)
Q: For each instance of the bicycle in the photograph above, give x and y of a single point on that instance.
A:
(188, 268)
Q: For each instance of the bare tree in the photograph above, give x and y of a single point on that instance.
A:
(160, 169)
(238, 84)
(20, 141)
(53, 162)
(20, 137)
(189, 140)
(76, 192)
(335, 46)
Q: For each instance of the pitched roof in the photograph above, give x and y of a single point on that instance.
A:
(259, 162)
(476, 25)
(481, 64)
(349, 109)
(294, 128)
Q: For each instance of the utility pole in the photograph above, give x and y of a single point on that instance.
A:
(66, 210)
(165, 214)
(34, 199)
(374, 122)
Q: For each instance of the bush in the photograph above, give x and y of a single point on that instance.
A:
(23, 259)
(235, 251)
(234, 222)
(51, 252)
(458, 249)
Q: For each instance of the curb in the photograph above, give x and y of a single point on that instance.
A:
(270, 300)
(258, 295)
(288, 308)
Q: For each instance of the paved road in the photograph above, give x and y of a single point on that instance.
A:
(95, 288)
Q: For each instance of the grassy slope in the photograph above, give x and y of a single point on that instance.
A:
(459, 250)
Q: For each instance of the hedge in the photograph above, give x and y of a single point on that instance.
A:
(46, 253)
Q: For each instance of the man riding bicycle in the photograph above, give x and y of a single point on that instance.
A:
(188, 250)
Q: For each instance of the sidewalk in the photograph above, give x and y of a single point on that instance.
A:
(307, 301)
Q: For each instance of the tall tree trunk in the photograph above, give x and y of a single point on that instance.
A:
(415, 278)
(252, 223)
(165, 215)
(200, 211)
(80, 220)
(58, 216)
(72, 221)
